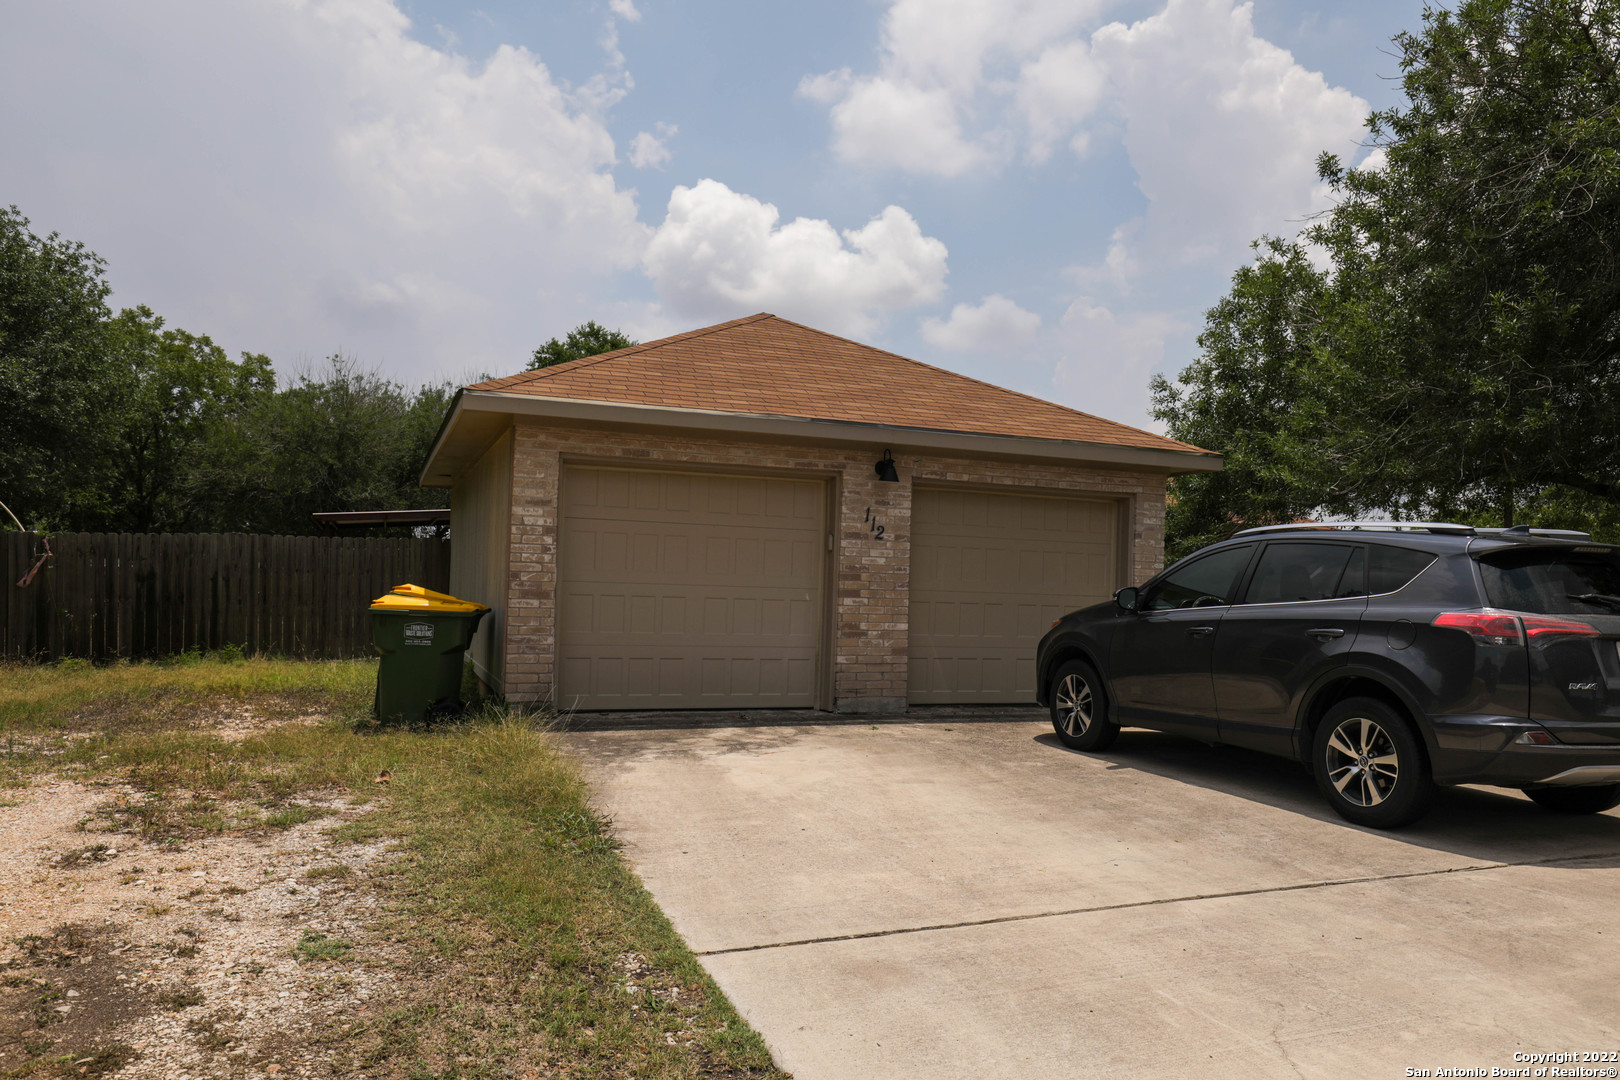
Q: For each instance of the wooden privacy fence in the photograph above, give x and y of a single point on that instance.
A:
(144, 595)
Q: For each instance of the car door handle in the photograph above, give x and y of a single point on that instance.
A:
(1326, 632)
(1200, 631)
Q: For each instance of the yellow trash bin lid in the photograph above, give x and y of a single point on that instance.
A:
(416, 598)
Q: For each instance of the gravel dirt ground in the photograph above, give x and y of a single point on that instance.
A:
(220, 957)
(223, 867)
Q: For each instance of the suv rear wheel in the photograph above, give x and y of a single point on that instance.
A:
(1080, 708)
(1577, 800)
(1370, 765)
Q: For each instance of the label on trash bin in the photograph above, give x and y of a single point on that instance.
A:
(418, 633)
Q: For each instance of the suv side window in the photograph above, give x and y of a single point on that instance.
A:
(1203, 582)
(1354, 580)
(1390, 568)
(1293, 572)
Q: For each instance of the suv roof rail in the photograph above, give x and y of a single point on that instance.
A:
(1393, 526)
(1520, 530)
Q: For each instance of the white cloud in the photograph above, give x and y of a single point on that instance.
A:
(722, 254)
(1377, 160)
(647, 151)
(951, 42)
(896, 123)
(625, 9)
(996, 324)
(1058, 90)
(607, 88)
(1105, 359)
(298, 177)
(1222, 127)
(1118, 268)
(939, 56)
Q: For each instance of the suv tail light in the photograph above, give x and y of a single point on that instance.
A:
(1493, 627)
(1541, 628)
(1487, 626)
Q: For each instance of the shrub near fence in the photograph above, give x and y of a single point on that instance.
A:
(146, 595)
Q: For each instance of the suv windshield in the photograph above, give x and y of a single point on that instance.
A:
(1556, 581)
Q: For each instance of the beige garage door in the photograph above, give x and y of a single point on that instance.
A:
(680, 590)
(989, 573)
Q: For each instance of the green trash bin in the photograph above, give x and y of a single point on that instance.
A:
(422, 637)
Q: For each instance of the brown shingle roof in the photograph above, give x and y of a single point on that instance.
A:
(764, 365)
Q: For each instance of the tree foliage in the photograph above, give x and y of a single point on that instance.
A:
(56, 390)
(179, 392)
(342, 438)
(121, 423)
(587, 339)
(1458, 354)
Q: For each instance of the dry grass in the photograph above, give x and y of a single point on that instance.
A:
(534, 945)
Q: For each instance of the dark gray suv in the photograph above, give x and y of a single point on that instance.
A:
(1387, 657)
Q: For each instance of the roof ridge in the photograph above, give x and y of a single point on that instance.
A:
(523, 378)
(991, 385)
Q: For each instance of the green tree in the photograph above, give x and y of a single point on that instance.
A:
(342, 438)
(1492, 234)
(1260, 365)
(177, 391)
(1459, 356)
(587, 339)
(123, 423)
(57, 384)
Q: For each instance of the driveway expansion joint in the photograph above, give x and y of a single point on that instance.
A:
(1302, 887)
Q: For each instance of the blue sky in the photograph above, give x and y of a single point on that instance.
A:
(1044, 194)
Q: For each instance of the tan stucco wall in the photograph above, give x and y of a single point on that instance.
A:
(870, 576)
(480, 528)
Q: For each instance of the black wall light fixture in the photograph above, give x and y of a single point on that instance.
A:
(885, 469)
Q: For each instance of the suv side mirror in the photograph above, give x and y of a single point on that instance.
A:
(1126, 598)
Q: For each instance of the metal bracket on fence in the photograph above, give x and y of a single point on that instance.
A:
(28, 578)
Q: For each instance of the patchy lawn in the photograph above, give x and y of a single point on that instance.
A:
(222, 868)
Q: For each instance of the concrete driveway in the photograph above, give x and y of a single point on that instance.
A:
(972, 900)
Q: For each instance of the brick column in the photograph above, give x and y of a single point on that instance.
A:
(1147, 530)
(873, 585)
(531, 607)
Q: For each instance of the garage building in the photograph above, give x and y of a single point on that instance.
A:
(759, 514)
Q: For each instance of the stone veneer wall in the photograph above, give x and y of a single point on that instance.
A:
(871, 576)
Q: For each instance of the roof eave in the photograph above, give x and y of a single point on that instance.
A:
(440, 471)
(439, 439)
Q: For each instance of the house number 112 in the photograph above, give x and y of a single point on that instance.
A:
(872, 525)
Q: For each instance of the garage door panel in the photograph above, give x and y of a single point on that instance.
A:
(643, 617)
(641, 675)
(607, 494)
(990, 573)
(688, 591)
(632, 680)
(614, 555)
(776, 621)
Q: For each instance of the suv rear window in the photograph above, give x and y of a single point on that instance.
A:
(1553, 581)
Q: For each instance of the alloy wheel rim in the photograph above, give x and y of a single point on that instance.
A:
(1074, 702)
(1362, 762)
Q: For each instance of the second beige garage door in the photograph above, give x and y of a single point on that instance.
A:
(684, 590)
(989, 573)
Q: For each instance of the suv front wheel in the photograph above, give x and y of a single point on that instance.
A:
(1370, 765)
(1080, 708)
